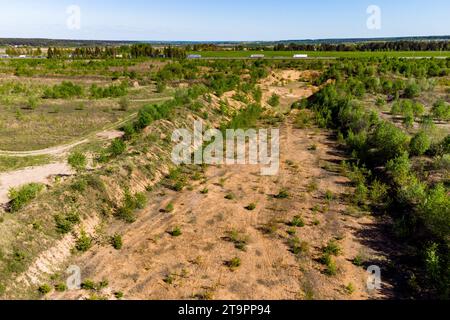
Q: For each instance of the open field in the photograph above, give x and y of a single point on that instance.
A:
(315, 54)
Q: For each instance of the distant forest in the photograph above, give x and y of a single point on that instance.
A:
(247, 44)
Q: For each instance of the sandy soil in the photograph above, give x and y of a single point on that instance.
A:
(155, 265)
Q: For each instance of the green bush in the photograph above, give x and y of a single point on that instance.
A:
(77, 160)
(176, 232)
(274, 100)
(435, 211)
(112, 91)
(32, 103)
(45, 289)
(66, 223)
(390, 141)
(22, 196)
(84, 242)
(63, 91)
(117, 147)
(117, 242)
(441, 110)
(420, 144)
(412, 91)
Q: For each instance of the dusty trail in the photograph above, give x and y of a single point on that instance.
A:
(41, 174)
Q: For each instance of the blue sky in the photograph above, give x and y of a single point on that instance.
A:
(203, 20)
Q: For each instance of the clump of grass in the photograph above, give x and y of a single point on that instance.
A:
(251, 207)
(92, 286)
(328, 261)
(176, 232)
(297, 221)
(297, 246)
(350, 289)
(358, 261)
(240, 241)
(283, 194)
(170, 279)
(117, 242)
(204, 191)
(291, 232)
(312, 147)
(230, 196)
(313, 186)
(61, 287)
(77, 161)
(332, 248)
(234, 263)
(169, 208)
(270, 227)
(329, 196)
(118, 295)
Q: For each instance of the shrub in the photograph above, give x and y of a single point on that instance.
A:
(303, 119)
(283, 194)
(22, 196)
(169, 208)
(274, 100)
(412, 91)
(239, 241)
(66, 223)
(117, 242)
(436, 211)
(112, 91)
(117, 147)
(433, 262)
(251, 207)
(234, 263)
(441, 110)
(176, 232)
(79, 185)
(400, 169)
(230, 196)
(332, 248)
(141, 200)
(44, 289)
(328, 261)
(390, 141)
(297, 246)
(84, 242)
(63, 91)
(297, 221)
(360, 195)
(32, 103)
(378, 192)
(420, 144)
(61, 287)
(77, 160)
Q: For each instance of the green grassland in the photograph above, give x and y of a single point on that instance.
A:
(315, 54)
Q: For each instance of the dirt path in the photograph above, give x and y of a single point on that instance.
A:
(40, 174)
(156, 265)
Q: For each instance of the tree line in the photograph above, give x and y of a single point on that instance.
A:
(133, 51)
(369, 46)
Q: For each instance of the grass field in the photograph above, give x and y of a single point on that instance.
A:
(313, 54)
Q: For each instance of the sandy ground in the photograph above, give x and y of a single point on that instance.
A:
(40, 174)
(155, 265)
